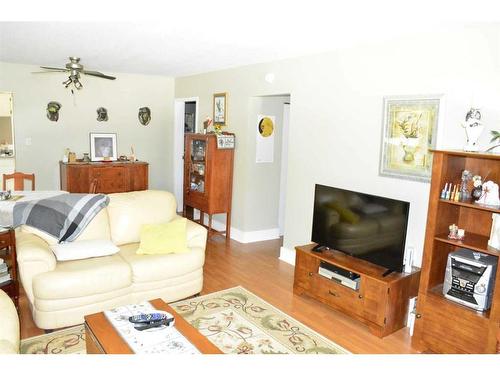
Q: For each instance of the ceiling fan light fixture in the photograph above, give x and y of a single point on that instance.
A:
(78, 84)
(67, 82)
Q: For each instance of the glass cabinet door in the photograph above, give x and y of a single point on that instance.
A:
(197, 170)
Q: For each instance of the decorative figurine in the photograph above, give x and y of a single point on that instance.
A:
(473, 129)
(464, 191)
(206, 124)
(102, 114)
(477, 191)
(456, 233)
(53, 111)
(144, 115)
(489, 196)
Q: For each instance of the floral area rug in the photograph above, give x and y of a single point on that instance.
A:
(235, 320)
(66, 341)
(239, 322)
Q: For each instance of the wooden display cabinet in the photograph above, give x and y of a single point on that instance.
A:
(380, 302)
(444, 326)
(208, 179)
(8, 254)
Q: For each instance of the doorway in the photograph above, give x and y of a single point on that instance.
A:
(185, 121)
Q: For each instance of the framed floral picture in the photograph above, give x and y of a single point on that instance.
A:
(409, 133)
(220, 109)
(103, 147)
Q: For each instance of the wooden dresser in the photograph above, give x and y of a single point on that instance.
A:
(112, 177)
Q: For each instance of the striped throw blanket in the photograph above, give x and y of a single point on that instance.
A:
(64, 216)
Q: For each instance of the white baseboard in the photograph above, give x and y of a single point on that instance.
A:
(287, 255)
(245, 237)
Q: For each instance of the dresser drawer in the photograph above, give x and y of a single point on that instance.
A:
(110, 179)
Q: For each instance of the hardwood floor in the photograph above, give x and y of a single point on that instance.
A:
(257, 268)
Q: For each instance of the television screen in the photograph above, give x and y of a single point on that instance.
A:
(365, 226)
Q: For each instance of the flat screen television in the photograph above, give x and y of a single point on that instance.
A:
(364, 226)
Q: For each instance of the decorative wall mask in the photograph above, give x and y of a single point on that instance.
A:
(102, 114)
(144, 115)
(53, 111)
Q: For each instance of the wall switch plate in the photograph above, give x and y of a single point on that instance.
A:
(27, 141)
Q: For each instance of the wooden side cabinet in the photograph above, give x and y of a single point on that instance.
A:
(208, 178)
(380, 302)
(8, 254)
(111, 177)
(443, 326)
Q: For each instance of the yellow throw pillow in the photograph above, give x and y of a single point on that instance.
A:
(164, 238)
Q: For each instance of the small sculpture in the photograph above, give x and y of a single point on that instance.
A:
(489, 196)
(464, 191)
(144, 115)
(206, 124)
(102, 114)
(473, 129)
(456, 233)
(53, 111)
(477, 191)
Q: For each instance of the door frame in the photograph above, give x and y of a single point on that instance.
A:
(178, 151)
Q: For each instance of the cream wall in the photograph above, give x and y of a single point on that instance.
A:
(122, 97)
(336, 117)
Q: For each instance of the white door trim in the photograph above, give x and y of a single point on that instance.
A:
(179, 145)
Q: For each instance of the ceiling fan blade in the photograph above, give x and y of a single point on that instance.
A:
(50, 71)
(54, 69)
(97, 74)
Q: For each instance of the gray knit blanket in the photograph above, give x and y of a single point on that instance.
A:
(64, 216)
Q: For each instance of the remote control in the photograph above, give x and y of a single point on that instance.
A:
(147, 318)
(319, 248)
(158, 323)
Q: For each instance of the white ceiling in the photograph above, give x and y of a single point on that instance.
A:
(194, 37)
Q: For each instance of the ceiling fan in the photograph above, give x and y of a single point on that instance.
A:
(74, 68)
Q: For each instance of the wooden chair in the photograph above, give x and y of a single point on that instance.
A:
(93, 186)
(19, 179)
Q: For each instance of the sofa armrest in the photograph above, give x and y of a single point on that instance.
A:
(196, 235)
(9, 329)
(31, 248)
(34, 257)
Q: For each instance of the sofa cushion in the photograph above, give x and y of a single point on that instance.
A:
(79, 278)
(166, 238)
(83, 249)
(147, 268)
(97, 229)
(129, 211)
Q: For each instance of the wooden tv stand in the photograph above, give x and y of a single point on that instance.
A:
(380, 302)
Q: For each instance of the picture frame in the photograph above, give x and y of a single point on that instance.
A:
(409, 132)
(103, 147)
(220, 109)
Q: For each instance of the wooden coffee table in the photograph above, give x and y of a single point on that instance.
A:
(102, 338)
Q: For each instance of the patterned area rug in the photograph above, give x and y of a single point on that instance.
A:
(239, 322)
(235, 320)
(66, 341)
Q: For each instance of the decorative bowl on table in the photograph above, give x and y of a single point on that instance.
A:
(5, 195)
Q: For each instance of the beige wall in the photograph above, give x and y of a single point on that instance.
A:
(122, 97)
(336, 117)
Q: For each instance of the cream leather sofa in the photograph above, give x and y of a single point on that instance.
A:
(62, 293)
(9, 325)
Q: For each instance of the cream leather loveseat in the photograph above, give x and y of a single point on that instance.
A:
(62, 293)
(9, 325)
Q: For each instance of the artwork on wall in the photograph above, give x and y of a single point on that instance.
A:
(264, 151)
(53, 111)
(220, 109)
(102, 114)
(144, 115)
(409, 133)
(103, 147)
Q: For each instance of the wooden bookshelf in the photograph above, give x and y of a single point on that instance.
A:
(444, 326)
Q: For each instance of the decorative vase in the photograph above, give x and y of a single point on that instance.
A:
(473, 134)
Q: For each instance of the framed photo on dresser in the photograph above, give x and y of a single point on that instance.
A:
(103, 147)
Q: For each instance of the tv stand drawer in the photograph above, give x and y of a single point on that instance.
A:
(336, 294)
